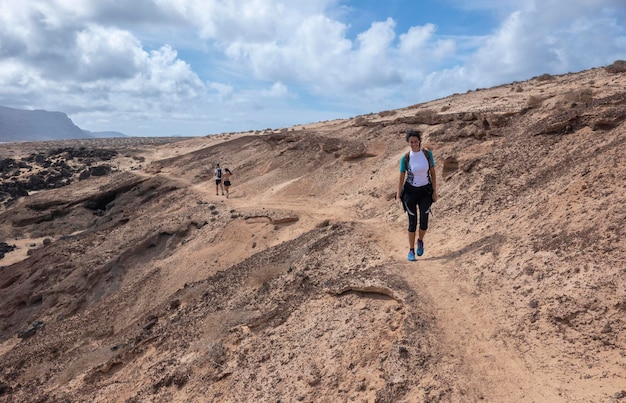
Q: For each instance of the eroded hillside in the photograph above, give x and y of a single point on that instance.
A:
(143, 285)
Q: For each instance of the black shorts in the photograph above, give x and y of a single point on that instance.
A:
(226, 183)
(218, 181)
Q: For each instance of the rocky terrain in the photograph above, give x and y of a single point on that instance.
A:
(140, 284)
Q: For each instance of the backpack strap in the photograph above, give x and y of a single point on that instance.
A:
(429, 157)
(431, 162)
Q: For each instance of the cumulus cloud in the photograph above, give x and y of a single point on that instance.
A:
(59, 59)
(104, 53)
(188, 60)
(419, 48)
(304, 55)
(542, 37)
(278, 90)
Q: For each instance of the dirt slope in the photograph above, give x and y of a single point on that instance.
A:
(151, 288)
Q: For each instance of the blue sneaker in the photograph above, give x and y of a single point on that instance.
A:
(412, 256)
(420, 247)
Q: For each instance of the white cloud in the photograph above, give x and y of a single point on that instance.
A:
(278, 90)
(319, 55)
(224, 90)
(420, 47)
(542, 37)
(54, 60)
(375, 41)
(185, 60)
(304, 55)
(245, 20)
(416, 39)
(104, 53)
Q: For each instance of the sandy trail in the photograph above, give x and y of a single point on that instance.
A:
(492, 370)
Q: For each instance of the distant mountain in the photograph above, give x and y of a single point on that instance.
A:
(39, 125)
(105, 135)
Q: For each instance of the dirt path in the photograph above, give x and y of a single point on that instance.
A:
(480, 359)
(490, 369)
(481, 362)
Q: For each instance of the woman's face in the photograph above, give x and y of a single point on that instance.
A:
(414, 143)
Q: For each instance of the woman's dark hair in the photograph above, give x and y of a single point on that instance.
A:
(413, 133)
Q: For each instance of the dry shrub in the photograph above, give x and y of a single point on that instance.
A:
(426, 117)
(618, 66)
(360, 121)
(583, 95)
(217, 354)
(534, 100)
(545, 77)
(386, 113)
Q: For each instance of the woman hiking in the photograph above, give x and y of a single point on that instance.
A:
(227, 175)
(417, 189)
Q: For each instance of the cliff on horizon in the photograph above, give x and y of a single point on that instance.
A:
(39, 125)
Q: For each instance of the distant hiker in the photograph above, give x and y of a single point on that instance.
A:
(218, 180)
(417, 189)
(227, 175)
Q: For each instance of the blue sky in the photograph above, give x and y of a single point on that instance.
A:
(198, 67)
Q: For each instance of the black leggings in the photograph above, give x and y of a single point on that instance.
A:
(414, 198)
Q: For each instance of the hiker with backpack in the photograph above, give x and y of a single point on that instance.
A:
(218, 180)
(417, 189)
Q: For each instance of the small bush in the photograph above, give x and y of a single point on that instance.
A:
(534, 100)
(217, 354)
(427, 117)
(386, 113)
(545, 77)
(584, 95)
(618, 66)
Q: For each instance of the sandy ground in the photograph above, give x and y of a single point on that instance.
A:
(297, 287)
